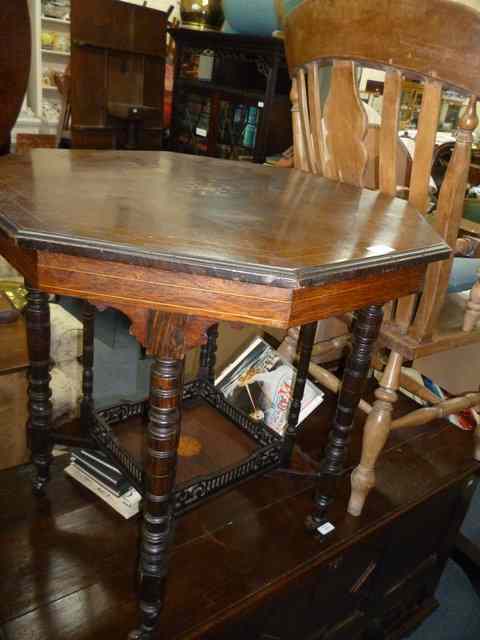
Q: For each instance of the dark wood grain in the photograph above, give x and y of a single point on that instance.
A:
(161, 444)
(120, 49)
(302, 229)
(385, 32)
(39, 392)
(65, 574)
(14, 64)
(88, 320)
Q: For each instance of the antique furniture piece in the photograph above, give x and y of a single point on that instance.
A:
(243, 568)
(415, 326)
(239, 106)
(121, 54)
(14, 65)
(233, 242)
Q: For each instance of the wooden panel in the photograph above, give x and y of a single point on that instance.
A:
(315, 109)
(125, 78)
(15, 51)
(333, 300)
(22, 260)
(345, 123)
(89, 69)
(310, 158)
(115, 283)
(436, 38)
(300, 151)
(389, 132)
(153, 86)
(209, 216)
(112, 24)
(424, 146)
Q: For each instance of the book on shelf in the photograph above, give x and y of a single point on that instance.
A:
(127, 505)
(260, 384)
(111, 477)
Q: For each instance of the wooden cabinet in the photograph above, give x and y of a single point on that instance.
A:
(231, 95)
(383, 586)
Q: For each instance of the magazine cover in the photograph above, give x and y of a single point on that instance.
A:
(260, 383)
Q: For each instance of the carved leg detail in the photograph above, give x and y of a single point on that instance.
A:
(39, 393)
(160, 467)
(472, 313)
(365, 333)
(307, 337)
(208, 355)
(86, 407)
(376, 432)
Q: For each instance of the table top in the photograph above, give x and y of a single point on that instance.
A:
(206, 216)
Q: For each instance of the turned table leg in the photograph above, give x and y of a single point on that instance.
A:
(208, 355)
(365, 332)
(39, 393)
(160, 462)
(86, 406)
(305, 346)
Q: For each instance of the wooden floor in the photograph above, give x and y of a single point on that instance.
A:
(67, 564)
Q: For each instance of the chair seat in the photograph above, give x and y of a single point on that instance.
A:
(464, 274)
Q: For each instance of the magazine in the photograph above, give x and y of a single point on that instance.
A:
(260, 383)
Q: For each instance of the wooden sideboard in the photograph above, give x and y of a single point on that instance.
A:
(243, 567)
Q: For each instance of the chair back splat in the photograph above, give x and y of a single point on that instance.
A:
(434, 41)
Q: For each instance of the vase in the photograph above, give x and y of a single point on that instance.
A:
(202, 14)
(252, 17)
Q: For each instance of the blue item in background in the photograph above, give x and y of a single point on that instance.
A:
(254, 17)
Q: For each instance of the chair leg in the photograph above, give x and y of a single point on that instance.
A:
(472, 313)
(377, 429)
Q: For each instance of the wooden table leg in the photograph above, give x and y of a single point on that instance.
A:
(208, 355)
(365, 333)
(305, 347)
(163, 434)
(86, 405)
(39, 393)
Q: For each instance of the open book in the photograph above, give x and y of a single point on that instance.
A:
(260, 383)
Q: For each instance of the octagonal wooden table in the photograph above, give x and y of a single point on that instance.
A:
(177, 243)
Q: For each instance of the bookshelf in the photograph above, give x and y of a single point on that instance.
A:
(49, 55)
(231, 96)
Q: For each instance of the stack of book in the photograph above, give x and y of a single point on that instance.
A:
(94, 471)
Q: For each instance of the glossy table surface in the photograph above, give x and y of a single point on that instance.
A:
(201, 215)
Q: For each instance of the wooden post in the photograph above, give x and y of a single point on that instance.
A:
(86, 406)
(162, 438)
(208, 355)
(39, 393)
(307, 337)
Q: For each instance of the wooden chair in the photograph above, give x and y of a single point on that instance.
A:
(439, 42)
(15, 52)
